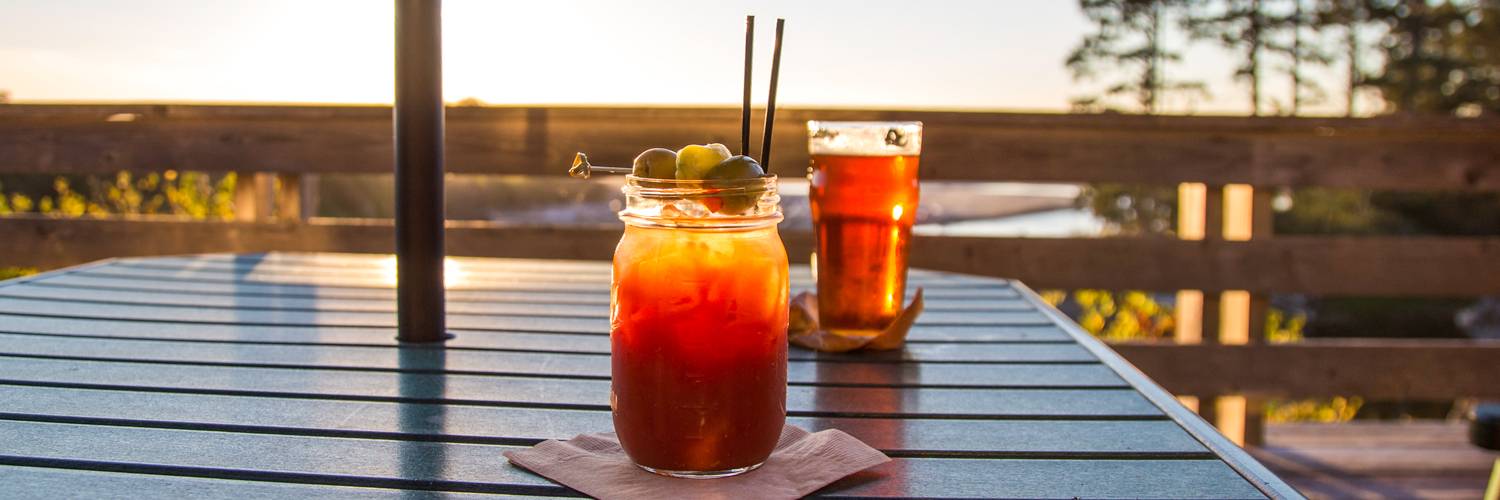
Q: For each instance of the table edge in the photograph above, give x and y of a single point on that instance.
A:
(1232, 455)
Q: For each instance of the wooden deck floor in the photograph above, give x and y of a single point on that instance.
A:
(1378, 460)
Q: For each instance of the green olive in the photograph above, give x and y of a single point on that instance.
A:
(736, 168)
(695, 160)
(656, 163)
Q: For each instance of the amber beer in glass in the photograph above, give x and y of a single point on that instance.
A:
(864, 199)
(698, 326)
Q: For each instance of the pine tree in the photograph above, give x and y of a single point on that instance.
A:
(1440, 58)
(1300, 50)
(1349, 17)
(1239, 26)
(1128, 41)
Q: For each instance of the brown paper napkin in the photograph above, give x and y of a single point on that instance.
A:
(804, 330)
(803, 462)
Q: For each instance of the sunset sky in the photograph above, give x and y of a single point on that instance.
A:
(885, 54)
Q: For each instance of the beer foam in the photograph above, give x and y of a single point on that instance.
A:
(864, 138)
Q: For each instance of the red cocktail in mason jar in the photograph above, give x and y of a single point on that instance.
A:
(698, 325)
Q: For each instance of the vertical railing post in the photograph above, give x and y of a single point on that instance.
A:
(419, 171)
(1212, 213)
(1261, 222)
(254, 196)
(289, 196)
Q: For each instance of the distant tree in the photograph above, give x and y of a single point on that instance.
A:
(1239, 26)
(1350, 17)
(1440, 58)
(1300, 48)
(1128, 42)
(4, 96)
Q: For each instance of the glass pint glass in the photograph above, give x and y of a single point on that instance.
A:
(864, 200)
(698, 326)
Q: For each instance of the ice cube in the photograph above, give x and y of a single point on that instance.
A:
(689, 209)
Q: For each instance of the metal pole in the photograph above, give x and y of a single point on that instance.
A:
(419, 171)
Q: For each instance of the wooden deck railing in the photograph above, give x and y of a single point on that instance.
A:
(297, 143)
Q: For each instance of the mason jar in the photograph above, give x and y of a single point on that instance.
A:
(698, 323)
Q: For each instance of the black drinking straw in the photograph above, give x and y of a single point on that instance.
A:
(745, 104)
(765, 140)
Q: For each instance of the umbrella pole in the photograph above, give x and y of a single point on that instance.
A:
(419, 172)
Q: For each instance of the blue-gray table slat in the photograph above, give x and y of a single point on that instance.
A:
(277, 260)
(460, 466)
(929, 350)
(273, 272)
(501, 425)
(48, 289)
(536, 318)
(375, 299)
(588, 343)
(468, 361)
(23, 483)
(382, 288)
(567, 393)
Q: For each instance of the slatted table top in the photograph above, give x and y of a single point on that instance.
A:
(278, 375)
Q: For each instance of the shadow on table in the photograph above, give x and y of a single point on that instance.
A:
(419, 378)
(420, 459)
(868, 383)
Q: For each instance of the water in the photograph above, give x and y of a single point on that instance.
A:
(1057, 223)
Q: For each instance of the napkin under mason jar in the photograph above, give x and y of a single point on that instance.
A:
(802, 462)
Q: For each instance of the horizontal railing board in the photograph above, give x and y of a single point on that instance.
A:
(943, 345)
(45, 289)
(45, 482)
(1300, 264)
(1395, 153)
(524, 426)
(1329, 265)
(480, 467)
(564, 393)
(473, 362)
(1372, 368)
(540, 319)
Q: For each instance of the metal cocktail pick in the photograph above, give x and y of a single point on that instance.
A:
(582, 169)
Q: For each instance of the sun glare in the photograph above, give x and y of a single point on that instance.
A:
(454, 273)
